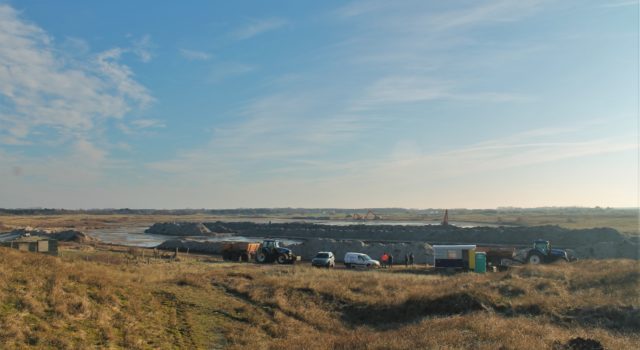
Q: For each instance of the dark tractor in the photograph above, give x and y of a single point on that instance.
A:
(542, 253)
(270, 251)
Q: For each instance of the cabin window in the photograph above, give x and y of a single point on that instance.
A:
(451, 254)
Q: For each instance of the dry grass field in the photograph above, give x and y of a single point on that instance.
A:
(624, 220)
(93, 298)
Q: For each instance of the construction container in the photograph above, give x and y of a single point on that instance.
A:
(453, 256)
(481, 262)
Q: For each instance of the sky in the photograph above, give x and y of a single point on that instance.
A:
(368, 104)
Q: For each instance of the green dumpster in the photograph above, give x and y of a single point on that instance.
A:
(481, 262)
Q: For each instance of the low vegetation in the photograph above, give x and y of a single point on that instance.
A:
(624, 220)
(127, 299)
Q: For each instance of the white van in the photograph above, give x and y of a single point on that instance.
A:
(352, 260)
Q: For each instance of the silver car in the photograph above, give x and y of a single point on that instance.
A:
(324, 259)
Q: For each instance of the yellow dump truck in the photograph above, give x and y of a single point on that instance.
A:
(240, 251)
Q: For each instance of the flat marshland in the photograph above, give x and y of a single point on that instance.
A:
(89, 298)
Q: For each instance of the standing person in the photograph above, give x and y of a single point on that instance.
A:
(390, 260)
(406, 260)
(384, 259)
(411, 258)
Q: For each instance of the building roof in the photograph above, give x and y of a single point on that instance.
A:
(455, 246)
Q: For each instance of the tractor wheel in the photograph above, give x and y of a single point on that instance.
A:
(261, 257)
(534, 259)
(282, 259)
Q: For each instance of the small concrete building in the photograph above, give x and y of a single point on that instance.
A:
(45, 246)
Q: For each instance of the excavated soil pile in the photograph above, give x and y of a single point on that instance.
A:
(72, 236)
(600, 243)
(427, 233)
(179, 229)
(191, 246)
(63, 236)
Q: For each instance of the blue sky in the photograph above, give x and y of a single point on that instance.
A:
(417, 104)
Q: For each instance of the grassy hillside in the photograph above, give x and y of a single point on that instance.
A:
(120, 300)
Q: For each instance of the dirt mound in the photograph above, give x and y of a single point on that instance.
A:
(179, 229)
(72, 236)
(579, 344)
(601, 243)
(429, 233)
(63, 236)
(219, 227)
(184, 245)
(606, 250)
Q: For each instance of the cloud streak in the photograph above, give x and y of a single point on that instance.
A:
(257, 27)
(195, 55)
(42, 90)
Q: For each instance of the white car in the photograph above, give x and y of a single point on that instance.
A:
(352, 260)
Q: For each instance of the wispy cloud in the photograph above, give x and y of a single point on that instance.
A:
(485, 12)
(273, 134)
(195, 55)
(223, 70)
(257, 27)
(413, 89)
(148, 123)
(357, 8)
(619, 3)
(42, 90)
(142, 47)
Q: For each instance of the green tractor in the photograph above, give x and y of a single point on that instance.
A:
(542, 253)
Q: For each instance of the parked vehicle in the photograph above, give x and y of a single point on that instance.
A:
(324, 259)
(543, 253)
(270, 251)
(239, 251)
(499, 258)
(355, 260)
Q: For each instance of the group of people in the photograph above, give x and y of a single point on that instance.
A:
(386, 260)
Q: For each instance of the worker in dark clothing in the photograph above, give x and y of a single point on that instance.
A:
(406, 260)
(390, 261)
(411, 258)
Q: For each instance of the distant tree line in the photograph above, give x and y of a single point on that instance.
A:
(314, 212)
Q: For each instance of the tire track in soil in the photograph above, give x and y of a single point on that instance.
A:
(185, 340)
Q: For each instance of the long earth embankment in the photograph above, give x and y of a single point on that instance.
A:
(587, 243)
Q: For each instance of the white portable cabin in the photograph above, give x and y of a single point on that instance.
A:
(454, 256)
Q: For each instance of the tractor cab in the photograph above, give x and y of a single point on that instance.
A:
(270, 250)
(271, 245)
(542, 246)
(542, 253)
